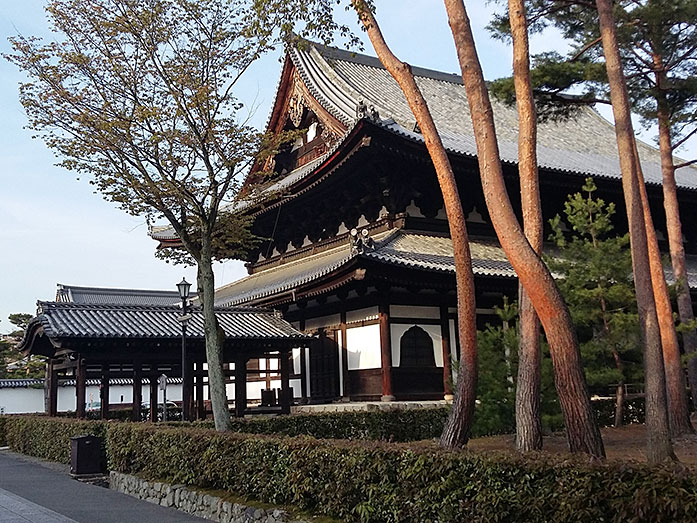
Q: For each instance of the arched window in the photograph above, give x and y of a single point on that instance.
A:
(416, 349)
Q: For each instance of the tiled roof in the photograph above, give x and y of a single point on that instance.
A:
(72, 320)
(435, 253)
(283, 278)
(20, 383)
(416, 250)
(103, 295)
(584, 145)
(287, 276)
(39, 382)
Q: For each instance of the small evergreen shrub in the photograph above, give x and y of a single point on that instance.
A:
(382, 425)
(47, 438)
(372, 481)
(376, 481)
(3, 438)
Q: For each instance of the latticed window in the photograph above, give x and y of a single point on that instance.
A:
(416, 349)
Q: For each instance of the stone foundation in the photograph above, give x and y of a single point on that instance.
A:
(195, 503)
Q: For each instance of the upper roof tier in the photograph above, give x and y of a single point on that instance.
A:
(106, 295)
(340, 80)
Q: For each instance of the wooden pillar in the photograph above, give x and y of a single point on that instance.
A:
(137, 391)
(52, 403)
(286, 392)
(200, 404)
(344, 357)
(104, 392)
(447, 370)
(153, 398)
(304, 399)
(303, 375)
(385, 353)
(240, 386)
(80, 387)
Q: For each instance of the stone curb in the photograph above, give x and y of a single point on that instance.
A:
(195, 503)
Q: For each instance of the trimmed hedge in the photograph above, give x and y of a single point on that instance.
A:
(3, 439)
(382, 425)
(46, 438)
(370, 481)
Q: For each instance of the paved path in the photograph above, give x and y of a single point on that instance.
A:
(44, 493)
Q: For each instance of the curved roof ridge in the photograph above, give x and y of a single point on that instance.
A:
(372, 61)
(48, 305)
(325, 85)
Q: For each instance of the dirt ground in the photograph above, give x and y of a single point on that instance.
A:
(624, 443)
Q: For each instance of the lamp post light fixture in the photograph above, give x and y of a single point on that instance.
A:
(184, 287)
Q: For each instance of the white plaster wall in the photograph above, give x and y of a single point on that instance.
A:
(415, 311)
(254, 389)
(270, 364)
(296, 361)
(398, 330)
(117, 394)
(322, 321)
(24, 400)
(369, 313)
(307, 366)
(19, 401)
(363, 347)
(27, 400)
(340, 349)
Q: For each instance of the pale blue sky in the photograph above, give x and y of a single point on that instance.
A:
(53, 229)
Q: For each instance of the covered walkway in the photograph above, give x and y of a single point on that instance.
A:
(141, 342)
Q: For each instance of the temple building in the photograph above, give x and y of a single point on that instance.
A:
(98, 340)
(358, 252)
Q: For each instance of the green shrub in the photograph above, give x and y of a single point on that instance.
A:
(371, 481)
(47, 438)
(3, 438)
(388, 425)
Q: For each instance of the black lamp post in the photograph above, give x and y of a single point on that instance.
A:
(184, 287)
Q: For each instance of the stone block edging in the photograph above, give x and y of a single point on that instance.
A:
(194, 502)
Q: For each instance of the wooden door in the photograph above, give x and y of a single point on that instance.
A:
(324, 367)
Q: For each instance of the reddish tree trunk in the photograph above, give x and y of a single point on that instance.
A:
(581, 427)
(678, 414)
(527, 399)
(619, 391)
(659, 447)
(457, 429)
(674, 226)
(619, 406)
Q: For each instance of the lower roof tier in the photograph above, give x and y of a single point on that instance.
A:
(416, 250)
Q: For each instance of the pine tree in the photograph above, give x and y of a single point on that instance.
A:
(457, 429)
(582, 430)
(595, 270)
(657, 42)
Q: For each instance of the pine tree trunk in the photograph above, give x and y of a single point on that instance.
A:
(457, 429)
(678, 413)
(659, 447)
(619, 406)
(619, 392)
(214, 339)
(677, 250)
(582, 430)
(527, 399)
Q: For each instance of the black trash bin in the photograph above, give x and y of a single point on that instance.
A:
(268, 397)
(86, 455)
